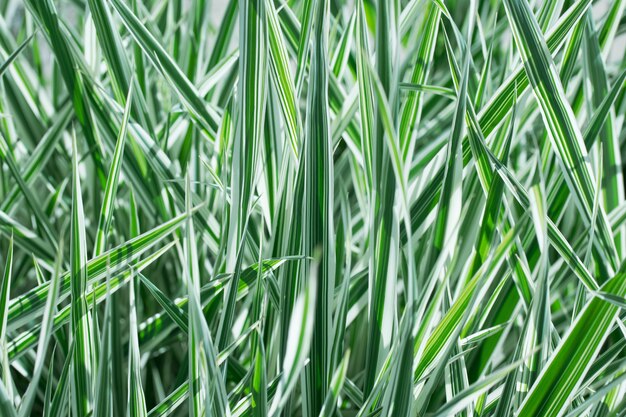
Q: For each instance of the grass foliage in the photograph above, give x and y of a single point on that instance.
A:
(276, 208)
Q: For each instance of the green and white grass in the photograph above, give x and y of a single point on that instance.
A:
(276, 208)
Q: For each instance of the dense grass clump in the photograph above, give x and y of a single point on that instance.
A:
(328, 208)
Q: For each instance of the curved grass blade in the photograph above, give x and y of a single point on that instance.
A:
(4, 316)
(207, 116)
(558, 382)
(562, 127)
(106, 212)
(44, 337)
(82, 359)
(251, 115)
